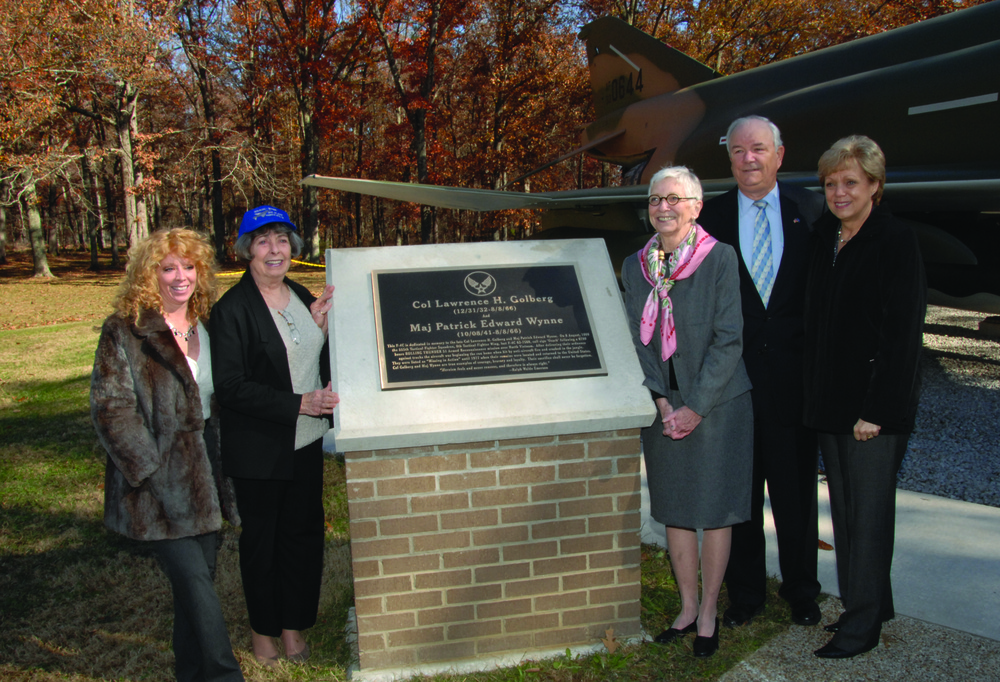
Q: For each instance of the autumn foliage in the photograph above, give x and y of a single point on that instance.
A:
(122, 116)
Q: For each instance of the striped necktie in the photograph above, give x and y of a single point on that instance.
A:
(762, 267)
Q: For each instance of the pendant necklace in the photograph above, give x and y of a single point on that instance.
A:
(192, 330)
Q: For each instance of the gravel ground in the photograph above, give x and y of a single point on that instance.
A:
(954, 450)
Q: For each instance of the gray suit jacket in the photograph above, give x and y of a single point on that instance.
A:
(708, 362)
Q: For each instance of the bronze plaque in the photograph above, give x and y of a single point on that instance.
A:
(439, 327)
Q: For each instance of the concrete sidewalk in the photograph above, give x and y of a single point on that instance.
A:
(946, 586)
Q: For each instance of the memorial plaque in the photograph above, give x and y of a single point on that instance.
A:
(439, 327)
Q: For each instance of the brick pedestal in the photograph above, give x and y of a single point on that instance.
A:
(469, 552)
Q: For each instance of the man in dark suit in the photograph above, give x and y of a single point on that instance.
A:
(769, 223)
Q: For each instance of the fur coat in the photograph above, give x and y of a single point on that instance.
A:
(163, 478)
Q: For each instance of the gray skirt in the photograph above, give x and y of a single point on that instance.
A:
(704, 479)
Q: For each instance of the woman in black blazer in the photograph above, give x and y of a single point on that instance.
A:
(272, 375)
(864, 313)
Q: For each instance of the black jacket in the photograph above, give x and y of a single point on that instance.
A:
(772, 337)
(864, 327)
(253, 384)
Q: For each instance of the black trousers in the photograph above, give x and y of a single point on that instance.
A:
(281, 545)
(785, 458)
(202, 650)
(862, 480)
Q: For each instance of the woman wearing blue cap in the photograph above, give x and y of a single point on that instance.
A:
(270, 367)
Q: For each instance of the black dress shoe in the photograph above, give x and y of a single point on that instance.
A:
(668, 636)
(831, 650)
(706, 646)
(805, 612)
(741, 614)
(832, 627)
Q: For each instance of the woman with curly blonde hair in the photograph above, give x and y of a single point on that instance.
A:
(152, 404)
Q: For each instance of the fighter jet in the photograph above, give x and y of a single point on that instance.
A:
(927, 93)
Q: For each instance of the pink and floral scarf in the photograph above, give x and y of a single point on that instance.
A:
(661, 273)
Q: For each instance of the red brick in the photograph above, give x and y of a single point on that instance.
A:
(563, 637)
(376, 469)
(558, 491)
(392, 658)
(526, 442)
(564, 564)
(474, 557)
(382, 586)
(437, 463)
(416, 636)
(410, 485)
(559, 529)
(613, 522)
(474, 594)
(591, 435)
(585, 507)
(366, 549)
(629, 538)
(365, 569)
(538, 621)
(413, 601)
(394, 621)
(628, 557)
(447, 652)
(628, 465)
(361, 530)
(492, 645)
(561, 602)
(526, 474)
(484, 628)
(499, 458)
(630, 502)
(423, 581)
(468, 481)
(441, 502)
(500, 536)
(371, 642)
(502, 572)
(624, 447)
(439, 541)
(531, 550)
(499, 609)
(409, 525)
(447, 614)
(360, 490)
(586, 544)
(610, 595)
(404, 453)
(601, 614)
(476, 519)
(589, 579)
(379, 508)
(499, 497)
(632, 574)
(528, 513)
(370, 606)
(612, 486)
(528, 588)
(587, 469)
(358, 454)
(410, 564)
(552, 453)
(630, 610)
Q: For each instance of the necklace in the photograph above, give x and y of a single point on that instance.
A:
(840, 235)
(192, 330)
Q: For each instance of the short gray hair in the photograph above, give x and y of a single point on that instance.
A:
(735, 125)
(242, 246)
(681, 174)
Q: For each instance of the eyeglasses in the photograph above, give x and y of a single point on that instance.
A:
(671, 199)
(293, 331)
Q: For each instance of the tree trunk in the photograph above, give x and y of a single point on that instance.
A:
(92, 208)
(310, 197)
(111, 200)
(36, 235)
(4, 194)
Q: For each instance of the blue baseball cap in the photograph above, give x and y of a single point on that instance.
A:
(257, 218)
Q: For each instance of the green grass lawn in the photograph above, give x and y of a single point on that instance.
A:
(79, 603)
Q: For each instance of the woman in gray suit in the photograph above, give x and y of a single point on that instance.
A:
(682, 296)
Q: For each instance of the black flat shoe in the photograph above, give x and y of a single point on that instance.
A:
(806, 612)
(672, 634)
(741, 614)
(831, 650)
(706, 646)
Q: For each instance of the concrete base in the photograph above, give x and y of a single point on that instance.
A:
(946, 564)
